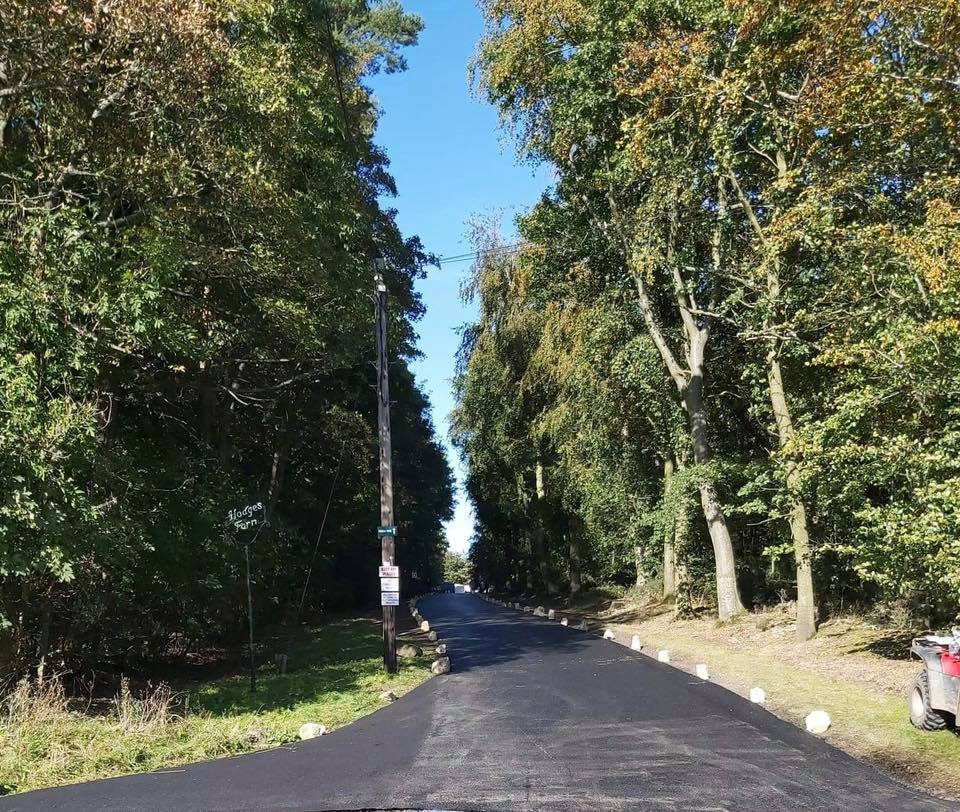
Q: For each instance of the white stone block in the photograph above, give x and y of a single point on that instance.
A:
(818, 722)
(635, 643)
(663, 655)
(442, 648)
(702, 671)
(758, 695)
(609, 635)
(425, 626)
(432, 637)
(441, 665)
(311, 730)
(551, 614)
(540, 611)
(563, 621)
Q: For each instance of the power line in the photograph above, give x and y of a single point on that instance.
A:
(481, 251)
(472, 255)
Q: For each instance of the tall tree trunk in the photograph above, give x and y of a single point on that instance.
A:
(43, 647)
(226, 417)
(574, 535)
(728, 593)
(278, 472)
(640, 579)
(669, 530)
(683, 607)
(689, 382)
(539, 533)
(797, 517)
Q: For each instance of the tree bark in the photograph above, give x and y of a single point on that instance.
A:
(728, 593)
(683, 606)
(575, 583)
(797, 516)
(669, 530)
(278, 472)
(226, 418)
(689, 382)
(640, 581)
(43, 647)
(573, 538)
(539, 534)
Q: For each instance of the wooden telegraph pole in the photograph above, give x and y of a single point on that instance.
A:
(388, 531)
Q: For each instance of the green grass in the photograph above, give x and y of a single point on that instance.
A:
(335, 676)
(869, 725)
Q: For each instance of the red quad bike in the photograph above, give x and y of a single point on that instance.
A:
(935, 698)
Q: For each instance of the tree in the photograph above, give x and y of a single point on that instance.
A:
(763, 192)
(189, 200)
(456, 568)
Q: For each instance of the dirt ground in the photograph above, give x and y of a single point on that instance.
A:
(846, 648)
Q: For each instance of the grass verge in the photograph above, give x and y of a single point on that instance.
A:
(335, 676)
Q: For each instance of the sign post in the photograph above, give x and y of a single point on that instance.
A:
(253, 664)
(387, 531)
(246, 521)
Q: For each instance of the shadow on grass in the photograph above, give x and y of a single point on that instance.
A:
(337, 658)
(891, 645)
(598, 606)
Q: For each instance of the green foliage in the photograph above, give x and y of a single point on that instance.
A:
(336, 675)
(188, 196)
(784, 175)
(456, 568)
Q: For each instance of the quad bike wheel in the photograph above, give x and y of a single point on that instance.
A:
(921, 714)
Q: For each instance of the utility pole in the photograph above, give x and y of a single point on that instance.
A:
(387, 530)
(253, 659)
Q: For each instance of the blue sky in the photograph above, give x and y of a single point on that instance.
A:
(451, 160)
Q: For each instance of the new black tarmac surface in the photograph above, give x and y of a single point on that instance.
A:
(535, 716)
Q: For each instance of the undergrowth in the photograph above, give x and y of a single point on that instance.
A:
(334, 677)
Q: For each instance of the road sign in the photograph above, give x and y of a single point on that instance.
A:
(389, 598)
(387, 531)
(246, 517)
(389, 571)
(389, 584)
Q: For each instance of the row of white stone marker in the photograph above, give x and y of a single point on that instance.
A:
(440, 665)
(817, 721)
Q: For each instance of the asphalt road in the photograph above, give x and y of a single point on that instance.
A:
(535, 716)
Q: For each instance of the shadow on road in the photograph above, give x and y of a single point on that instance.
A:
(481, 635)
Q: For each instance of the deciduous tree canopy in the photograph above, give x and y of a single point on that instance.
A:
(742, 295)
(189, 201)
